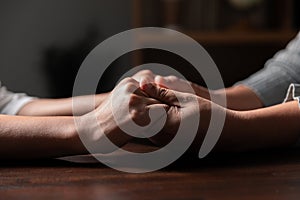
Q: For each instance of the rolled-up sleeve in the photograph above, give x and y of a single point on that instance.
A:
(11, 103)
(271, 83)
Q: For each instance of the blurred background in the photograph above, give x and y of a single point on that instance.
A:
(43, 42)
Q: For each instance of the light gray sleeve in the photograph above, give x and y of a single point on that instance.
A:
(11, 103)
(271, 83)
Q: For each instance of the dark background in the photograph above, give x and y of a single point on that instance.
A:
(43, 42)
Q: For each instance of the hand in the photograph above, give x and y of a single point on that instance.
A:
(181, 85)
(182, 106)
(170, 82)
(173, 83)
(127, 103)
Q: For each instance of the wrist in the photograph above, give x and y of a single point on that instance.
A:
(230, 137)
(96, 125)
(73, 144)
(100, 98)
(201, 91)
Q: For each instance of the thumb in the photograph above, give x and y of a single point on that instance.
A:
(164, 95)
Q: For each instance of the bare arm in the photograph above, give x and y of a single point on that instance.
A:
(27, 137)
(276, 126)
(59, 107)
(38, 137)
(238, 97)
(63, 107)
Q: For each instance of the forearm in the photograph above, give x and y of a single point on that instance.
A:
(60, 107)
(38, 137)
(238, 98)
(276, 126)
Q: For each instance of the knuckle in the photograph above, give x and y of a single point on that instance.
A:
(130, 87)
(163, 92)
(140, 116)
(134, 114)
(142, 73)
(147, 71)
(133, 99)
(127, 80)
(167, 95)
(173, 78)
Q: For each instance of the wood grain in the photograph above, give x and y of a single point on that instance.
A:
(258, 175)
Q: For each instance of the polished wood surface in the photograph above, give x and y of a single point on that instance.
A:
(259, 175)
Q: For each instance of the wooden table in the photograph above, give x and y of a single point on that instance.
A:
(259, 175)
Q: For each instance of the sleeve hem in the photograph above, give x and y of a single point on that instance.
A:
(13, 107)
(293, 93)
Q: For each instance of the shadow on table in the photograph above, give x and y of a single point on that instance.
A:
(187, 162)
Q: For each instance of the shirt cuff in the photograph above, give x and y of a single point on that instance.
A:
(293, 94)
(15, 105)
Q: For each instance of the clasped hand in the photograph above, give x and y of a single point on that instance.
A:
(134, 97)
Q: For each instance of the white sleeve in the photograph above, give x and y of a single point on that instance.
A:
(293, 94)
(11, 103)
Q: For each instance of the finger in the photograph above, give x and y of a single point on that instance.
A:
(169, 129)
(140, 92)
(129, 85)
(151, 101)
(170, 97)
(174, 83)
(161, 81)
(162, 94)
(151, 115)
(146, 80)
(158, 118)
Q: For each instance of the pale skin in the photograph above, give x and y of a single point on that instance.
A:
(41, 132)
(50, 132)
(238, 98)
(248, 124)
